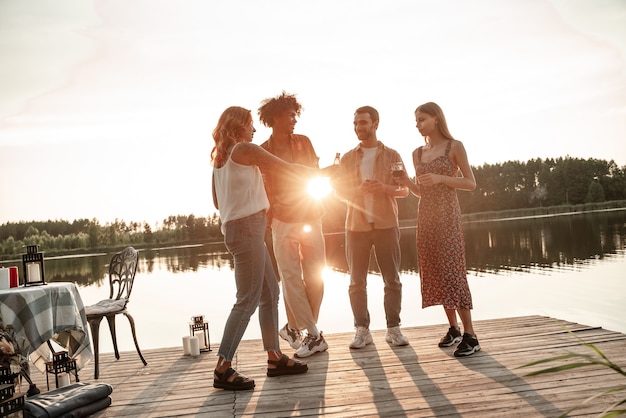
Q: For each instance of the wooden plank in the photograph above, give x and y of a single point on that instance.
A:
(418, 380)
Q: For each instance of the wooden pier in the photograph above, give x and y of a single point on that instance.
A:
(419, 380)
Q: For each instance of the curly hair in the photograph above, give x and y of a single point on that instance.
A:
(275, 106)
(230, 125)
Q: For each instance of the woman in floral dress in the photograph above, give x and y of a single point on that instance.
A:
(440, 241)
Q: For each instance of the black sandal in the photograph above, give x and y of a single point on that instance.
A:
(220, 380)
(282, 367)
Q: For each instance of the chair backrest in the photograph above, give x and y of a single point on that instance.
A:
(122, 273)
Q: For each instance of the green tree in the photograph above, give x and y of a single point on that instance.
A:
(539, 195)
(595, 193)
(94, 232)
(9, 246)
(147, 232)
(614, 182)
(31, 232)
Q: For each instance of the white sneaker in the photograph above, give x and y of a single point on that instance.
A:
(292, 336)
(311, 345)
(361, 338)
(395, 337)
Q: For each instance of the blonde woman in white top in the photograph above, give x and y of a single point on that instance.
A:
(239, 194)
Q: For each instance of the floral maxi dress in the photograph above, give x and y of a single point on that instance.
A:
(440, 241)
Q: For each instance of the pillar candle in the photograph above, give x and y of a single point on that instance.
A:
(200, 335)
(5, 281)
(33, 274)
(186, 346)
(14, 276)
(194, 346)
(64, 379)
(204, 343)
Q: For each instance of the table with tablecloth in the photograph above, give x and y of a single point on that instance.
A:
(51, 312)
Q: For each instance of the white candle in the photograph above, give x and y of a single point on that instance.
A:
(5, 280)
(186, 346)
(200, 335)
(194, 346)
(33, 273)
(204, 343)
(64, 379)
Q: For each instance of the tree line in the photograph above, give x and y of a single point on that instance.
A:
(508, 186)
(61, 236)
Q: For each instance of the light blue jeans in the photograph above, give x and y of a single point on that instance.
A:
(256, 284)
(386, 243)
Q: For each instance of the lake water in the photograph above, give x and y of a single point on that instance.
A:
(570, 267)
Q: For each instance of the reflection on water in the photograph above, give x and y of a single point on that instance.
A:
(92, 269)
(584, 257)
(86, 270)
(520, 244)
(184, 259)
(553, 242)
(559, 242)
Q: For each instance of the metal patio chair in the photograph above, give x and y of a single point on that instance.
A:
(122, 271)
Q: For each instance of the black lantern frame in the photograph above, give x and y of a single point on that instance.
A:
(199, 324)
(33, 266)
(61, 363)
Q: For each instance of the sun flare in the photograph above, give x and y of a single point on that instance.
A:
(319, 187)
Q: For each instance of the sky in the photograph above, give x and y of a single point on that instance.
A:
(107, 106)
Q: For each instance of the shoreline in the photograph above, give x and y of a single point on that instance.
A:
(479, 217)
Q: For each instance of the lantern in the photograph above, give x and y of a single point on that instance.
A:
(33, 266)
(61, 366)
(198, 327)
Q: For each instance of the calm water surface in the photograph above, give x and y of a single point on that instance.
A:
(568, 267)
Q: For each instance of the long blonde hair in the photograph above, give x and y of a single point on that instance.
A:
(435, 111)
(229, 127)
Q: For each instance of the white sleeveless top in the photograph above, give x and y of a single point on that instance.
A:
(240, 190)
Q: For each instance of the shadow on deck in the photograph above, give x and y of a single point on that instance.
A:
(419, 380)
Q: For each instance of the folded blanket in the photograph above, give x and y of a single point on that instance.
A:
(73, 401)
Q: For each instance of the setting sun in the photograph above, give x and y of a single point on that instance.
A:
(319, 187)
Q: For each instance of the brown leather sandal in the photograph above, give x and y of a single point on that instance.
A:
(240, 382)
(283, 368)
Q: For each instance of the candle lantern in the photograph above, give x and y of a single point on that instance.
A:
(61, 366)
(198, 327)
(33, 266)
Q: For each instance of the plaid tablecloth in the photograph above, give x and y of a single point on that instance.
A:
(53, 311)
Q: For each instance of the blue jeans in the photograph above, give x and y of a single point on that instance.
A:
(386, 243)
(256, 284)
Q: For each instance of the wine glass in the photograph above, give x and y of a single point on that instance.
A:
(397, 170)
